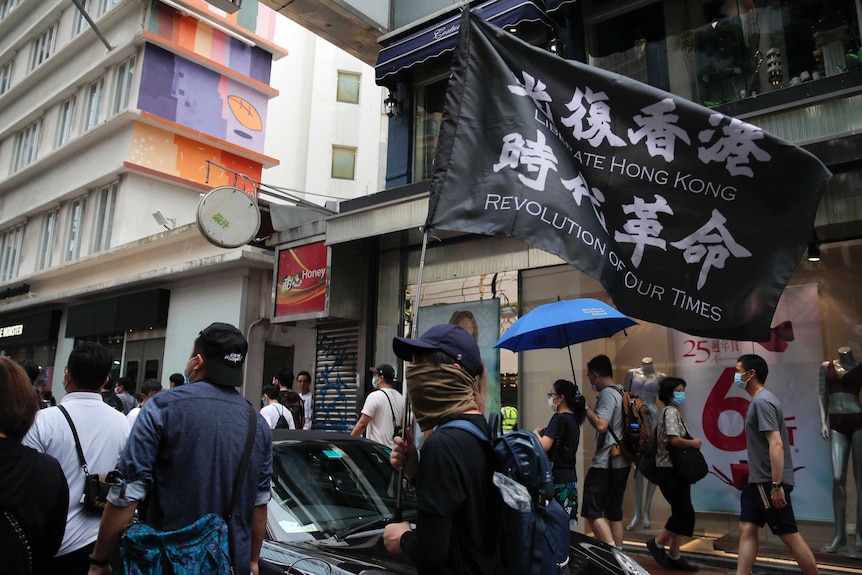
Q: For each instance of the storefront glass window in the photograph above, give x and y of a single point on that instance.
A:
(426, 127)
(817, 322)
(714, 53)
(485, 306)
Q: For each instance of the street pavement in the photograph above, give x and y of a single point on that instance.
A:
(716, 565)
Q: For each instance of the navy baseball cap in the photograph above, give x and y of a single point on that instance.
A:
(452, 340)
(225, 349)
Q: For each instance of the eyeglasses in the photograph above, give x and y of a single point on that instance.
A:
(550, 395)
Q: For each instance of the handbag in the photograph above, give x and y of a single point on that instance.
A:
(201, 547)
(689, 464)
(95, 494)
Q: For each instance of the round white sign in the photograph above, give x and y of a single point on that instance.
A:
(228, 217)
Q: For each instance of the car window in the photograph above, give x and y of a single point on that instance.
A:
(321, 487)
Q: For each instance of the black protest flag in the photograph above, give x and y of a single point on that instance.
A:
(689, 218)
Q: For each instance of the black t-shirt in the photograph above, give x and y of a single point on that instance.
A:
(457, 529)
(564, 452)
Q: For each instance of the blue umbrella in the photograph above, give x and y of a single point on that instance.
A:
(562, 324)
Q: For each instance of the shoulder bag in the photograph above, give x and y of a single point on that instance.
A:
(18, 559)
(396, 427)
(95, 494)
(201, 547)
(689, 464)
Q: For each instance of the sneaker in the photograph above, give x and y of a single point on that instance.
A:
(658, 553)
(680, 565)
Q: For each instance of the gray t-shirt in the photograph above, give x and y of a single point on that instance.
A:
(765, 414)
(609, 407)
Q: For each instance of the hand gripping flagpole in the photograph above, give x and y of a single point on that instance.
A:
(414, 323)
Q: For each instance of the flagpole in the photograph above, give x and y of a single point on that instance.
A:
(414, 324)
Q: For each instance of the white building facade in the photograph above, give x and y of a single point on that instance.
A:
(98, 133)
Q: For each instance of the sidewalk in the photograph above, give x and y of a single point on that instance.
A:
(718, 556)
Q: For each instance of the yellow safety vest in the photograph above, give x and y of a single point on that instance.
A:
(510, 417)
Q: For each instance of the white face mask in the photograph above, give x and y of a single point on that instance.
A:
(551, 405)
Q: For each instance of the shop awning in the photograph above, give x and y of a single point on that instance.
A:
(431, 40)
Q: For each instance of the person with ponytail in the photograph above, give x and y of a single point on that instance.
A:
(561, 439)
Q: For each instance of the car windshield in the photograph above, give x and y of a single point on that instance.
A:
(322, 487)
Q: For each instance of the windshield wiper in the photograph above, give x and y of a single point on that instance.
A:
(341, 534)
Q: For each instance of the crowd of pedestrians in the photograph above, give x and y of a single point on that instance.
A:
(152, 449)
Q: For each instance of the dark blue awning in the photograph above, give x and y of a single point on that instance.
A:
(430, 41)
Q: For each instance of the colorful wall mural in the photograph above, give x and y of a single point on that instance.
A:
(253, 16)
(198, 98)
(193, 35)
(162, 151)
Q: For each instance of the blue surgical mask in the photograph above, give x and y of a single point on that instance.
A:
(678, 397)
(186, 376)
(374, 382)
(737, 380)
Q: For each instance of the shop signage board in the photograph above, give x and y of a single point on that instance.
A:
(302, 282)
(689, 218)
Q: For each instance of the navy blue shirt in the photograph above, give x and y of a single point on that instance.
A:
(566, 432)
(183, 454)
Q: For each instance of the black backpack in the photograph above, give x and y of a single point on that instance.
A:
(292, 401)
(111, 399)
(535, 536)
(282, 420)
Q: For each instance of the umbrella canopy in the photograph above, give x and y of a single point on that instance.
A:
(564, 323)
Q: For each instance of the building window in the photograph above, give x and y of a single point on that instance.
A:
(123, 85)
(429, 113)
(343, 162)
(46, 242)
(11, 242)
(94, 103)
(65, 123)
(73, 230)
(5, 77)
(106, 5)
(104, 218)
(42, 47)
(81, 23)
(26, 146)
(6, 7)
(725, 51)
(348, 88)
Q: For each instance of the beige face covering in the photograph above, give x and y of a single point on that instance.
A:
(438, 391)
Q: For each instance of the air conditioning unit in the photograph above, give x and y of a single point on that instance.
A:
(229, 6)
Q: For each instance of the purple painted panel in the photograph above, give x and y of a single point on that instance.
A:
(184, 92)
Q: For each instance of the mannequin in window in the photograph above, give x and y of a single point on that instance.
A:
(839, 384)
(644, 381)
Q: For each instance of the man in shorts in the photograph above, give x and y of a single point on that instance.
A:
(606, 479)
(766, 496)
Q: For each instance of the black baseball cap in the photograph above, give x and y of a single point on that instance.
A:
(225, 349)
(386, 370)
(452, 340)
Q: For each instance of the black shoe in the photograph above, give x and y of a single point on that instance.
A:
(659, 554)
(680, 565)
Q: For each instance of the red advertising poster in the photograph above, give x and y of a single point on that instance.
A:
(300, 285)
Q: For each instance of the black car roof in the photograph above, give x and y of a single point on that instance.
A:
(311, 435)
